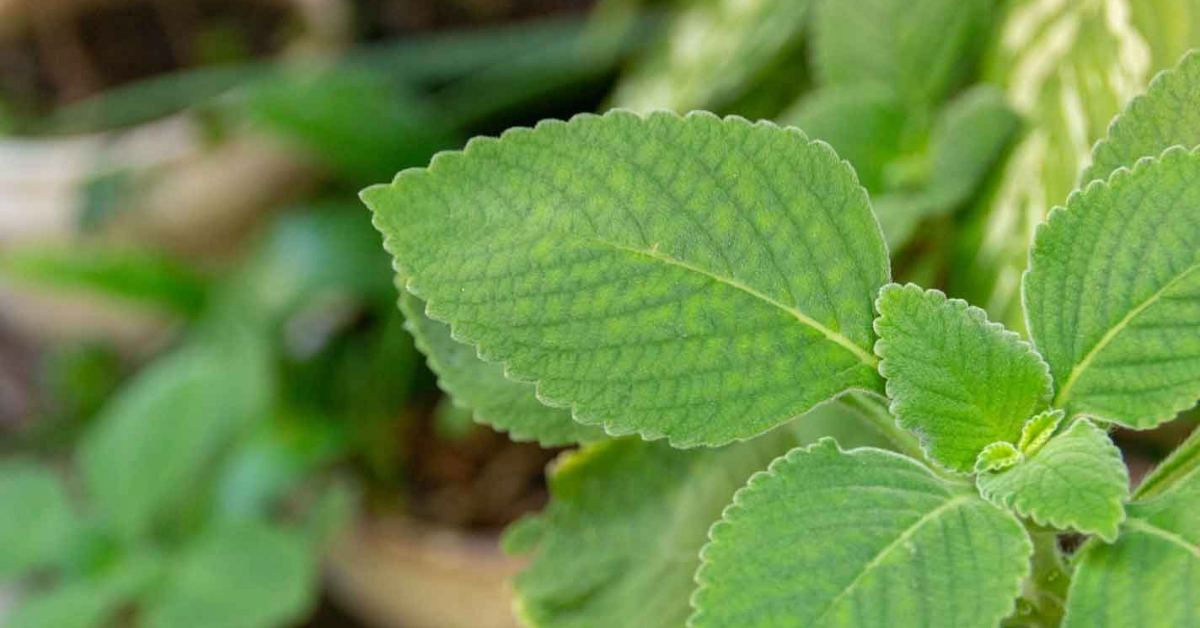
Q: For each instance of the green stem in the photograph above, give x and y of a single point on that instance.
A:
(873, 411)
(1182, 462)
(1044, 592)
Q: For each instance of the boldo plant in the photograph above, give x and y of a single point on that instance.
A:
(713, 283)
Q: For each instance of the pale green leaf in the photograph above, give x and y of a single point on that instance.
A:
(711, 52)
(496, 400)
(997, 456)
(1167, 115)
(250, 575)
(1150, 576)
(892, 545)
(619, 544)
(36, 520)
(1077, 480)
(891, 42)
(90, 602)
(692, 277)
(1038, 430)
(956, 380)
(1112, 295)
(163, 431)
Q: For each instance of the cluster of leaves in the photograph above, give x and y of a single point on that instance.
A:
(705, 280)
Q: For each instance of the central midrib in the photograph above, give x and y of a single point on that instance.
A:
(834, 336)
(1064, 393)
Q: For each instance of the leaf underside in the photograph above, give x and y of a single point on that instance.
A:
(691, 277)
(1113, 293)
(892, 546)
(956, 380)
(1077, 481)
(495, 399)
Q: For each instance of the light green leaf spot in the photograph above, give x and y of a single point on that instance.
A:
(711, 52)
(1149, 577)
(496, 400)
(1167, 115)
(958, 381)
(248, 575)
(36, 521)
(692, 277)
(619, 544)
(997, 456)
(892, 546)
(1112, 295)
(1076, 481)
(1038, 430)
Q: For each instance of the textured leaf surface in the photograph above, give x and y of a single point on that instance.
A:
(495, 399)
(1078, 480)
(894, 546)
(957, 380)
(997, 456)
(1038, 430)
(1168, 114)
(693, 277)
(1150, 576)
(1113, 294)
(619, 544)
(887, 42)
(711, 52)
(36, 520)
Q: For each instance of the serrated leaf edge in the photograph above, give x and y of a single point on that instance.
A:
(897, 407)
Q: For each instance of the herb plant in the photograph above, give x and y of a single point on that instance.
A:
(704, 281)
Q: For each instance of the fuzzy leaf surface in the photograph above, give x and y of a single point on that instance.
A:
(620, 542)
(957, 380)
(1168, 114)
(1077, 480)
(892, 546)
(697, 278)
(1150, 576)
(495, 399)
(1112, 295)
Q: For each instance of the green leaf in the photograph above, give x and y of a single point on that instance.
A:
(888, 42)
(997, 456)
(1077, 481)
(692, 277)
(496, 400)
(1112, 295)
(1038, 430)
(90, 602)
(1165, 116)
(892, 546)
(956, 380)
(1150, 576)
(36, 520)
(163, 431)
(711, 52)
(619, 543)
(250, 575)
(134, 275)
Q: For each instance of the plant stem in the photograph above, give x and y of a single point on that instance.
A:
(1044, 592)
(873, 411)
(1182, 462)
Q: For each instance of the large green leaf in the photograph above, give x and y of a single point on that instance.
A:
(619, 544)
(36, 521)
(1168, 114)
(495, 399)
(1113, 294)
(163, 432)
(957, 380)
(88, 602)
(1077, 481)
(692, 277)
(250, 575)
(711, 51)
(860, 539)
(1150, 576)
(889, 42)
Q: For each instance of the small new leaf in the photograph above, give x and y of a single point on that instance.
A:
(890, 545)
(1112, 294)
(1077, 481)
(958, 381)
(1038, 430)
(997, 457)
(698, 278)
